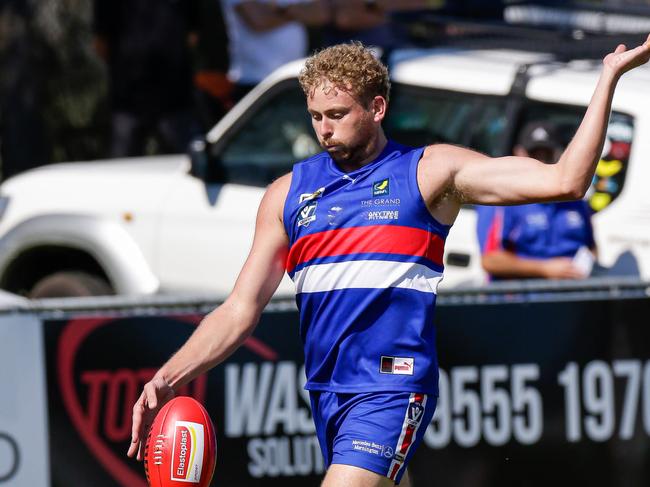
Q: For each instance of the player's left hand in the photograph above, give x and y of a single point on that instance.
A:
(623, 60)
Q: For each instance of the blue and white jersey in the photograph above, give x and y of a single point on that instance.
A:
(366, 258)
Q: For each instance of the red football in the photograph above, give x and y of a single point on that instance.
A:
(181, 448)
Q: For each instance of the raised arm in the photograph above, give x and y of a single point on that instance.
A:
(471, 177)
(222, 331)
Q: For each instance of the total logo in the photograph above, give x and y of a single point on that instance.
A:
(98, 394)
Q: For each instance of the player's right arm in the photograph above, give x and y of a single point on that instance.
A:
(222, 331)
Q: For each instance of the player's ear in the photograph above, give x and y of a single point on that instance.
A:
(379, 106)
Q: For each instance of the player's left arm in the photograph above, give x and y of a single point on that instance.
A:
(476, 178)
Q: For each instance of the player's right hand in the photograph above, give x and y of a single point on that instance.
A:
(155, 395)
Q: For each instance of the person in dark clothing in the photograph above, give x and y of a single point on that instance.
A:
(147, 45)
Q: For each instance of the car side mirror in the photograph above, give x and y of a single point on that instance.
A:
(203, 165)
(199, 158)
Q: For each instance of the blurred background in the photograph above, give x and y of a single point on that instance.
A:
(67, 65)
(543, 382)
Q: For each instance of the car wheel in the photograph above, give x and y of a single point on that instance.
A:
(70, 284)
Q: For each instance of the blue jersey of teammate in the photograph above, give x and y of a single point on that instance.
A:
(536, 231)
(366, 258)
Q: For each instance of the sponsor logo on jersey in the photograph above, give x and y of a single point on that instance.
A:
(187, 455)
(396, 365)
(382, 215)
(380, 188)
(333, 214)
(381, 202)
(307, 215)
(311, 196)
(372, 447)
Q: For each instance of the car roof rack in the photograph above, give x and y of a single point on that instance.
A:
(567, 32)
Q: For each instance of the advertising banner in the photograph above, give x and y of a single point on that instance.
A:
(540, 394)
(23, 427)
(96, 370)
(535, 394)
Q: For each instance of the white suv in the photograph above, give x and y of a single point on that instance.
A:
(185, 223)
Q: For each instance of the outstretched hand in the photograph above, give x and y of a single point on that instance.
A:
(621, 60)
(155, 395)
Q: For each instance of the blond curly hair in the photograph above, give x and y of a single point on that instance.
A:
(351, 67)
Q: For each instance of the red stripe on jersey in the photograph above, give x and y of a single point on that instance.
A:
(393, 472)
(386, 239)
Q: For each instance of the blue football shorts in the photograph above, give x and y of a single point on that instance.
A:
(377, 431)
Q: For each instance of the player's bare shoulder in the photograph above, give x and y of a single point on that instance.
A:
(276, 195)
(281, 185)
(435, 176)
(279, 188)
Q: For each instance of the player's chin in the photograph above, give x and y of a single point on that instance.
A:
(339, 154)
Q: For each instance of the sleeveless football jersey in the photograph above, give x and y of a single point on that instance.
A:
(366, 258)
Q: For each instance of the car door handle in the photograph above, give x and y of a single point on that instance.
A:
(458, 259)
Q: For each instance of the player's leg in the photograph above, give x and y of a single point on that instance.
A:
(406, 480)
(347, 475)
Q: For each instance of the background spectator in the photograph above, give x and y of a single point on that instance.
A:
(265, 34)
(371, 22)
(147, 47)
(542, 240)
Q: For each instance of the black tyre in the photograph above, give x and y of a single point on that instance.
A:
(70, 284)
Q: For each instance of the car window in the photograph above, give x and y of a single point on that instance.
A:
(420, 116)
(275, 134)
(610, 172)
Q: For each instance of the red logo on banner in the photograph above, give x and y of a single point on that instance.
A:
(103, 417)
